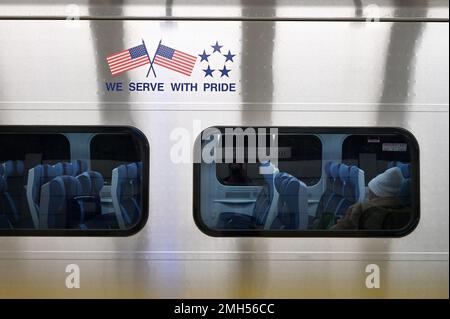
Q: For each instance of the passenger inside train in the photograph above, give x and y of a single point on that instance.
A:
(86, 180)
(315, 181)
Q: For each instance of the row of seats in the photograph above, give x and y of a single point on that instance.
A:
(344, 186)
(67, 196)
(42, 174)
(69, 202)
(15, 177)
(281, 204)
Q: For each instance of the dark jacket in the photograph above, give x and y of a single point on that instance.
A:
(377, 213)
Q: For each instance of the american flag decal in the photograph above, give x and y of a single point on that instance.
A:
(128, 59)
(175, 60)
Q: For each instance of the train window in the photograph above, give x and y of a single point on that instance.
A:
(73, 181)
(300, 182)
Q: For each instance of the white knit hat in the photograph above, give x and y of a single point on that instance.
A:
(387, 184)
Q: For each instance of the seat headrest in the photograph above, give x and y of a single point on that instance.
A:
(279, 178)
(91, 183)
(132, 171)
(354, 174)
(334, 170)
(55, 170)
(344, 173)
(14, 168)
(48, 171)
(68, 168)
(70, 185)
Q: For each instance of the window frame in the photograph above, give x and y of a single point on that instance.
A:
(52, 129)
(415, 190)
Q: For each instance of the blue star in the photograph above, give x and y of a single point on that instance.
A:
(204, 56)
(225, 71)
(229, 56)
(208, 71)
(216, 47)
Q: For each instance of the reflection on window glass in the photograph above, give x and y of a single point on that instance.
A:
(112, 150)
(297, 181)
(48, 180)
(292, 149)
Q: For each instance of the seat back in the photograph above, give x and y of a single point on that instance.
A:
(59, 208)
(91, 184)
(124, 193)
(331, 175)
(292, 205)
(337, 188)
(38, 176)
(14, 177)
(7, 207)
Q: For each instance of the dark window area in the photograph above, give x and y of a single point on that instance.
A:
(298, 155)
(111, 150)
(34, 148)
(374, 153)
(324, 182)
(50, 185)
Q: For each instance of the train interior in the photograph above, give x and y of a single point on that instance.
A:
(80, 180)
(314, 181)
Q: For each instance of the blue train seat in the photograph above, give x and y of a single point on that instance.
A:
(344, 187)
(125, 194)
(265, 205)
(91, 183)
(352, 181)
(8, 209)
(59, 208)
(13, 172)
(38, 176)
(89, 203)
(292, 212)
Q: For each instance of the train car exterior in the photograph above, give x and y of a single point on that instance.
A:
(132, 87)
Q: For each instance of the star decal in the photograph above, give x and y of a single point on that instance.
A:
(208, 71)
(225, 71)
(204, 56)
(229, 56)
(217, 47)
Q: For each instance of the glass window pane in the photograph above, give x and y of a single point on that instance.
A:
(307, 182)
(72, 181)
